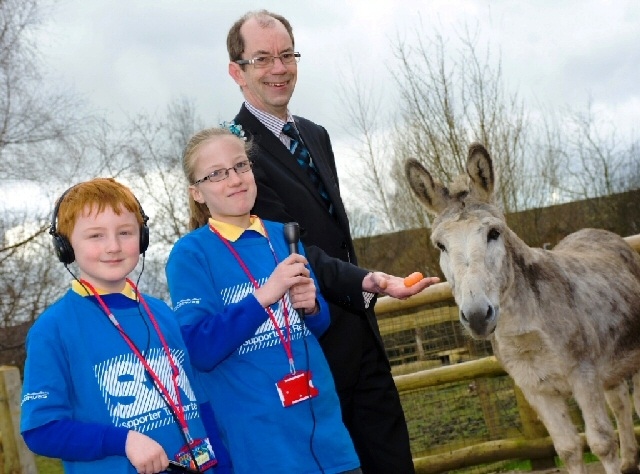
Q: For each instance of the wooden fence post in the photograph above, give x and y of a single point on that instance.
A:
(489, 408)
(17, 457)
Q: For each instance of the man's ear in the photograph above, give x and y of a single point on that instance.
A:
(237, 73)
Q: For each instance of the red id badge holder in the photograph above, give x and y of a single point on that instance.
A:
(202, 451)
(296, 387)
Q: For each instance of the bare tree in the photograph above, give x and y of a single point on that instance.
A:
(155, 153)
(368, 174)
(43, 142)
(29, 280)
(593, 159)
(450, 95)
(30, 114)
(35, 122)
(451, 100)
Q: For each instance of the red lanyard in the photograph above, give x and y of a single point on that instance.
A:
(176, 405)
(286, 342)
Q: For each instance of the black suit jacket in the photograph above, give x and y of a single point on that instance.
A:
(285, 194)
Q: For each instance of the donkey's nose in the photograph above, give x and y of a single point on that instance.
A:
(481, 321)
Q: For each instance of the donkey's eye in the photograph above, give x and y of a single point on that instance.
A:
(441, 246)
(493, 235)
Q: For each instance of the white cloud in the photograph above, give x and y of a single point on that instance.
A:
(23, 197)
(131, 56)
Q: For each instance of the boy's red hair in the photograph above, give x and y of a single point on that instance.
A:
(97, 194)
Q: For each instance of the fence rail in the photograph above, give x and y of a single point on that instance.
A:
(535, 442)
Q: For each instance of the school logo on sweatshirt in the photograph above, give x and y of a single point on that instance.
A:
(131, 397)
(266, 335)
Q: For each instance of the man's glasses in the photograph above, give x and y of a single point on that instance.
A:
(265, 60)
(223, 173)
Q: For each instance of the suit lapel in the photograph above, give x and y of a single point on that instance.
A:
(272, 145)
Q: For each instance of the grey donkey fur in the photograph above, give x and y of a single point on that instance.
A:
(563, 322)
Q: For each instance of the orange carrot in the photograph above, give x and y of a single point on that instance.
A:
(412, 279)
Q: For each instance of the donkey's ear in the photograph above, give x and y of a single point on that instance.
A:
(432, 194)
(480, 170)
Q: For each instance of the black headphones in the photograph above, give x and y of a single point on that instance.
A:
(62, 246)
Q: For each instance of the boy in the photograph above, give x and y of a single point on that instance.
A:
(108, 386)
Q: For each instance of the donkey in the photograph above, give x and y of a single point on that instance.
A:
(562, 322)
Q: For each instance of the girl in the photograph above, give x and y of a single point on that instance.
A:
(236, 292)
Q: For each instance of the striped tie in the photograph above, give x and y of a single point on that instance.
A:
(301, 154)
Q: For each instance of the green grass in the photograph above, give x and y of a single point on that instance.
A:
(450, 416)
(48, 465)
(526, 465)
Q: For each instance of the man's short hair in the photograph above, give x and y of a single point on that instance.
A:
(265, 18)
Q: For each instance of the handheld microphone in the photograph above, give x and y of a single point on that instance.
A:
(292, 236)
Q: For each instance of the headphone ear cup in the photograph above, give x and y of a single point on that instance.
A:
(63, 249)
(61, 245)
(144, 238)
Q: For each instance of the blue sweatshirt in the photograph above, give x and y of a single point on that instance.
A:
(84, 388)
(239, 356)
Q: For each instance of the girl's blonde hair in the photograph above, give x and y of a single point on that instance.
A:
(198, 212)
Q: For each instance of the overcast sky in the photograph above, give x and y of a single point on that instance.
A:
(134, 56)
(131, 56)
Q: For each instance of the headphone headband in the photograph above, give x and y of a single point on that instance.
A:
(62, 246)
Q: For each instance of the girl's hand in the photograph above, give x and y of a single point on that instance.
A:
(289, 272)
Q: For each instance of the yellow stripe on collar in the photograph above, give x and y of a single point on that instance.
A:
(83, 291)
(233, 232)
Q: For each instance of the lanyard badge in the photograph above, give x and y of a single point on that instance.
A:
(297, 385)
(295, 388)
(196, 455)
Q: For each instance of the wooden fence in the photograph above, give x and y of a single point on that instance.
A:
(15, 456)
(535, 444)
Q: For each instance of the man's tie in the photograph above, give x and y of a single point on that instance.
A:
(301, 154)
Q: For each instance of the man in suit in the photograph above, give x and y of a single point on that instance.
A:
(263, 63)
